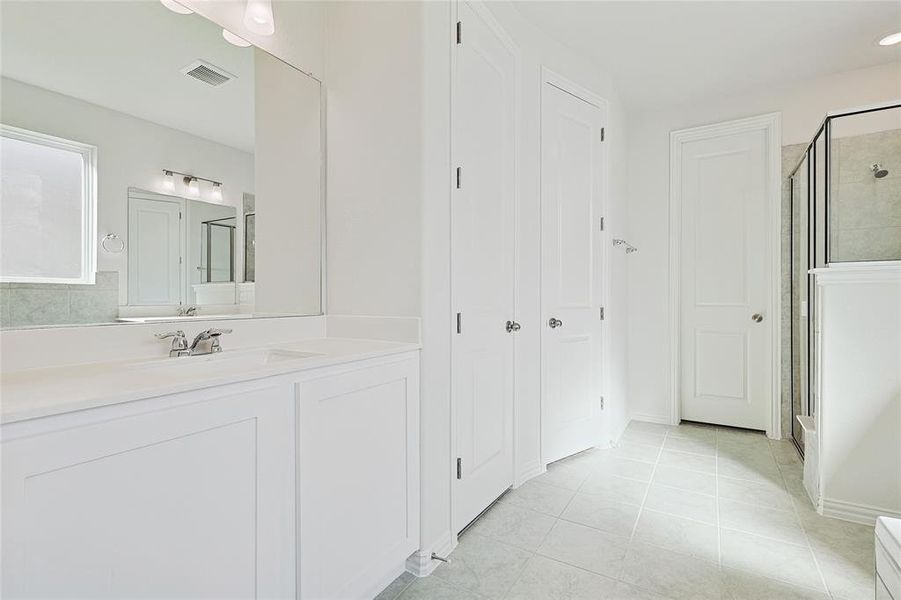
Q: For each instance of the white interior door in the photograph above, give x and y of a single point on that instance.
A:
(155, 251)
(726, 347)
(572, 190)
(483, 266)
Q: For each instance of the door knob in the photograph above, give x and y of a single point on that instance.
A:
(513, 326)
(554, 323)
(757, 317)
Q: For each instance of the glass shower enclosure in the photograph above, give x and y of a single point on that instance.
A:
(845, 207)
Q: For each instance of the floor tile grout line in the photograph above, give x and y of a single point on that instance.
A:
(648, 489)
(716, 482)
(813, 555)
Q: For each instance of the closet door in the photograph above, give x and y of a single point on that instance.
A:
(572, 187)
(156, 247)
(483, 265)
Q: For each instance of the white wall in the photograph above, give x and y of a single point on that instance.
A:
(803, 106)
(130, 152)
(374, 124)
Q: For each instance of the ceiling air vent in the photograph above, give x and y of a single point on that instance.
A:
(208, 73)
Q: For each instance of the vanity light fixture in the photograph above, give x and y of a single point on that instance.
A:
(234, 40)
(258, 17)
(891, 39)
(191, 184)
(176, 7)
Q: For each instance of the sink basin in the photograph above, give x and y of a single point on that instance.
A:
(225, 360)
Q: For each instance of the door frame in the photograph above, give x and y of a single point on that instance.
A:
(492, 23)
(550, 77)
(771, 124)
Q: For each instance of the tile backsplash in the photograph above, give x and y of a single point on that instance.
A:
(41, 304)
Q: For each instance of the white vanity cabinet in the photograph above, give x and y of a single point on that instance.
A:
(302, 484)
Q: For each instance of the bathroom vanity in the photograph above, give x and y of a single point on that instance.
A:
(275, 472)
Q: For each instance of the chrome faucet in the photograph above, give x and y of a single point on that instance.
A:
(210, 340)
(205, 342)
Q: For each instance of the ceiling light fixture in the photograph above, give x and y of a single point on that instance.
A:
(234, 40)
(258, 17)
(176, 7)
(891, 39)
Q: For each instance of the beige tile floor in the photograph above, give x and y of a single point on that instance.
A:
(672, 512)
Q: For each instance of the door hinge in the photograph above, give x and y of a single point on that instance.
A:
(459, 322)
(459, 32)
(179, 260)
(459, 468)
(179, 215)
(603, 130)
(459, 177)
(602, 403)
(602, 313)
(602, 223)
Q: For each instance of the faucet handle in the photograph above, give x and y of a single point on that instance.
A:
(214, 332)
(170, 334)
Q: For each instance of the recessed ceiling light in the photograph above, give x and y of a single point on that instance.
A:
(176, 7)
(891, 39)
(235, 40)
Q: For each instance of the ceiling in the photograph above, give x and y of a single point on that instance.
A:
(127, 56)
(661, 53)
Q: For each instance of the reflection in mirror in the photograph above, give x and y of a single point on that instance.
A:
(131, 173)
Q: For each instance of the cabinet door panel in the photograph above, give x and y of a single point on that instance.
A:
(191, 501)
(359, 479)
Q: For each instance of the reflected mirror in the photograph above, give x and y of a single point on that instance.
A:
(137, 146)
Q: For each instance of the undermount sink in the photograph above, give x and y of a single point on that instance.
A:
(227, 360)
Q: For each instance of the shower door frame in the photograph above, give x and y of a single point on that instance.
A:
(810, 154)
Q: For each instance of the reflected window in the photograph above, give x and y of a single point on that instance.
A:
(48, 198)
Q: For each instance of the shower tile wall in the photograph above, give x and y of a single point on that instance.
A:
(866, 211)
(791, 156)
(41, 304)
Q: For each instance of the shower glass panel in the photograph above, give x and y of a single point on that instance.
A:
(845, 207)
(218, 251)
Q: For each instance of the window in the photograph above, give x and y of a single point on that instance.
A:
(48, 200)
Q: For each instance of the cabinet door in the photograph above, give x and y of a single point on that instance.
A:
(359, 479)
(190, 501)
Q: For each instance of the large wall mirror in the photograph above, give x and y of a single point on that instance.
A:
(152, 169)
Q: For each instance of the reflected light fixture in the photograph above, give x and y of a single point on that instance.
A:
(258, 17)
(234, 40)
(216, 192)
(891, 39)
(192, 187)
(168, 181)
(176, 7)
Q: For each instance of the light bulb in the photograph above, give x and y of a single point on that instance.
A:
(216, 192)
(891, 40)
(234, 40)
(258, 17)
(168, 181)
(192, 187)
(176, 7)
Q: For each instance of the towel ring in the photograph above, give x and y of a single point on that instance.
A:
(112, 243)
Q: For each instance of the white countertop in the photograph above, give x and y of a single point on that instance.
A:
(34, 393)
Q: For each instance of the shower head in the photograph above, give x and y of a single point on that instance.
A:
(879, 171)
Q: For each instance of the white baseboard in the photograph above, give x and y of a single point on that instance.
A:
(856, 513)
(663, 420)
(421, 563)
(533, 469)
